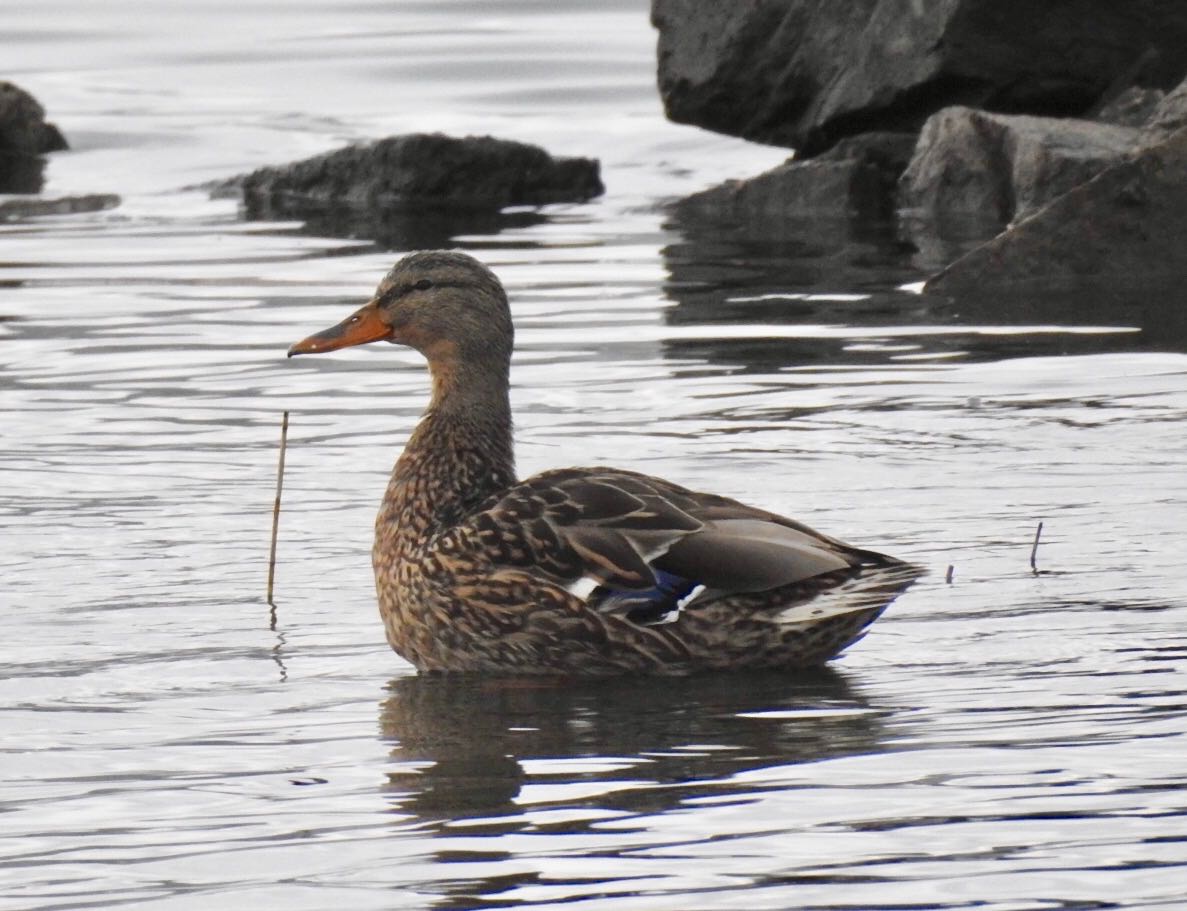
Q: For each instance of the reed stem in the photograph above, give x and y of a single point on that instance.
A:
(284, 433)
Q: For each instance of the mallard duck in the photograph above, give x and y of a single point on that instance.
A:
(586, 571)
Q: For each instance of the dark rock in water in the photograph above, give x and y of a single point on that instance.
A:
(23, 128)
(1117, 238)
(19, 209)
(855, 177)
(999, 167)
(20, 173)
(24, 137)
(806, 73)
(372, 190)
(417, 190)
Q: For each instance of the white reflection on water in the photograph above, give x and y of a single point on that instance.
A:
(1008, 741)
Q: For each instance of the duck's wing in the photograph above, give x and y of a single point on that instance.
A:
(641, 546)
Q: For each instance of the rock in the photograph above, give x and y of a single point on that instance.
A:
(23, 129)
(24, 136)
(818, 225)
(998, 168)
(793, 188)
(21, 173)
(806, 73)
(1116, 238)
(856, 177)
(391, 189)
(22, 208)
(420, 169)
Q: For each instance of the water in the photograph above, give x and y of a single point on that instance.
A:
(1010, 741)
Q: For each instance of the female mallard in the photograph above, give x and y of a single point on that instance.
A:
(578, 570)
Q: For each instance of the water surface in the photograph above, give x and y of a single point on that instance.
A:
(1010, 740)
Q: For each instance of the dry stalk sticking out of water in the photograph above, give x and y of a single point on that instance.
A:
(1034, 549)
(284, 434)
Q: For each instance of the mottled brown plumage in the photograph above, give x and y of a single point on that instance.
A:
(578, 570)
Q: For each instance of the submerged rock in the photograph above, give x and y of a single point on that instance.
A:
(374, 189)
(24, 137)
(805, 73)
(1118, 237)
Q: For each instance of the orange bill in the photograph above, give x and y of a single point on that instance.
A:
(362, 326)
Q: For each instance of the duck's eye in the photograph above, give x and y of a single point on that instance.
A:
(423, 285)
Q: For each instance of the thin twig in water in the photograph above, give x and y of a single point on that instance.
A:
(284, 434)
(1034, 550)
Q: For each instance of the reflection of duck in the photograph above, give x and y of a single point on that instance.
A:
(580, 570)
(463, 740)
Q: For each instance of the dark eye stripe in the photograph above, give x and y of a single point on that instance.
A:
(393, 294)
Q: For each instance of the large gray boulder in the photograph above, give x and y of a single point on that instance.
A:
(998, 168)
(805, 73)
(1117, 238)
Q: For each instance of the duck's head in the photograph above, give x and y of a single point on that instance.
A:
(445, 304)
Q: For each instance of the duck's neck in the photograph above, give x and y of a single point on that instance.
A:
(459, 454)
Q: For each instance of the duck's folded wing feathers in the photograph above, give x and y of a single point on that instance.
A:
(614, 532)
(748, 555)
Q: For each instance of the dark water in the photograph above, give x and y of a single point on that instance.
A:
(1009, 741)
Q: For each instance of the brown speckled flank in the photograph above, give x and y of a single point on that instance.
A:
(587, 571)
